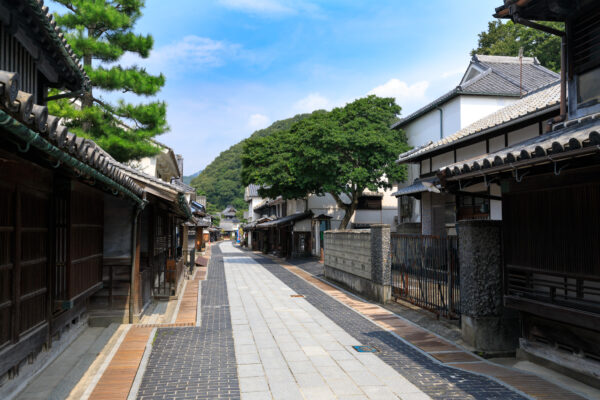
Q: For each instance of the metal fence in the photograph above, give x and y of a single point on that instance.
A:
(425, 272)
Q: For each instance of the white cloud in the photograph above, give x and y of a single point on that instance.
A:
(272, 7)
(259, 6)
(312, 102)
(191, 52)
(401, 91)
(258, 121)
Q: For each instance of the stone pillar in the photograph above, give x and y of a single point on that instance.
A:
(486, 325)
(381, 263)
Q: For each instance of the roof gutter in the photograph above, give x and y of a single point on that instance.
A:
(34, 139)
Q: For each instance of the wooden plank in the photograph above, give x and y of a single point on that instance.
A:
(564, 314)
(13, 354)
(118, 377)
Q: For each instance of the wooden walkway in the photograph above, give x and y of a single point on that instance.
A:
(117, 380)
(118, 377)
(442, 350)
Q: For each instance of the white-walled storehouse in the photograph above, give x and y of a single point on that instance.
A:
(490, 84)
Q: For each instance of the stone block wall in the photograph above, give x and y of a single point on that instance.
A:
(360, 260)
(349, 251)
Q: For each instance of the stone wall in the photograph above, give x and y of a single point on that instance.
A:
(349, 251)
(485, 323)
(360, 260)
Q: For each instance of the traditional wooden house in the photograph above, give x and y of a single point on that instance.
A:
(548, 191)
(70, 225)
(439, 211)
(57, 192)
(442, 131)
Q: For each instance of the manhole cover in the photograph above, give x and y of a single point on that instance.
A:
(365, 349)
(297, 295)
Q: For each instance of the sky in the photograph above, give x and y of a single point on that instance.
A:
(235, 66)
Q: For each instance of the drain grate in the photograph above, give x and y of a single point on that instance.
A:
(365, 349)
(297, 295)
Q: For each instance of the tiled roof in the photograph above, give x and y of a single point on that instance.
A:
(534, 75)
(542, 99)
(55, 43)
(18, 113)
(182, 186)
(566, 140)
(500, 76)
(286, 220)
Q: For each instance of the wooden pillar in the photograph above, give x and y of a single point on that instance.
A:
(17, 268)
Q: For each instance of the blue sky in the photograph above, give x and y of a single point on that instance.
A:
(234, 66)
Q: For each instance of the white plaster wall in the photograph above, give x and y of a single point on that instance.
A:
(427, 127)
(495, 205)
(254, 201)
(326, 205)
(425, 166)
(442, 160)
(468, 152)
(496, 143)
(473, 108)
(303, 225)
(523, 134)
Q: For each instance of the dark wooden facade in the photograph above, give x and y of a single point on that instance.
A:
(552, 262)
(50, 254)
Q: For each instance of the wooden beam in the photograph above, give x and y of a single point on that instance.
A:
(555, 312)
(14, 354)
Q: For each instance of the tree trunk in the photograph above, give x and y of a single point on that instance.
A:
(348, 208)
(87, 100)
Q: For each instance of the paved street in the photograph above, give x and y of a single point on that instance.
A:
(266, 333)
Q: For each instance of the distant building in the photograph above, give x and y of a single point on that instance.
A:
(230, 224)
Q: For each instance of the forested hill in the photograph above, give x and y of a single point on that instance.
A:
(221, 180)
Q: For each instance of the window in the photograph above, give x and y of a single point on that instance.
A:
(369, 203)
(473, 207)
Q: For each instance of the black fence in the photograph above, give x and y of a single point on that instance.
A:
(425, 272)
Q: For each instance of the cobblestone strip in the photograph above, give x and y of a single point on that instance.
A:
(196, 362)
(434, 379)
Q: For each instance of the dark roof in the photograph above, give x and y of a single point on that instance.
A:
(570, 139)
(539, 10)
(418, 186)
(22, 118)
(285, 220)
(41, 29)
(182, 186)
(543, 99)
(500, 76)
(229, 211)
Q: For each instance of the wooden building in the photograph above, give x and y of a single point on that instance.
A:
(53, 192)
(550, 190)
(75, 225)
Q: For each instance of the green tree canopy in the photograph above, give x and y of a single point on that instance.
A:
(505, 39)
(221, 180)
(341, 152)
(101, 32)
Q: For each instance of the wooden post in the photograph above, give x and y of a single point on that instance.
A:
(17, 268)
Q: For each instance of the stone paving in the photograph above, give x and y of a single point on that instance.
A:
(287, 349)
(268, 333)
(434, 379)
(196, 362)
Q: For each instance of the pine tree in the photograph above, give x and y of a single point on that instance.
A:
(101, 32)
